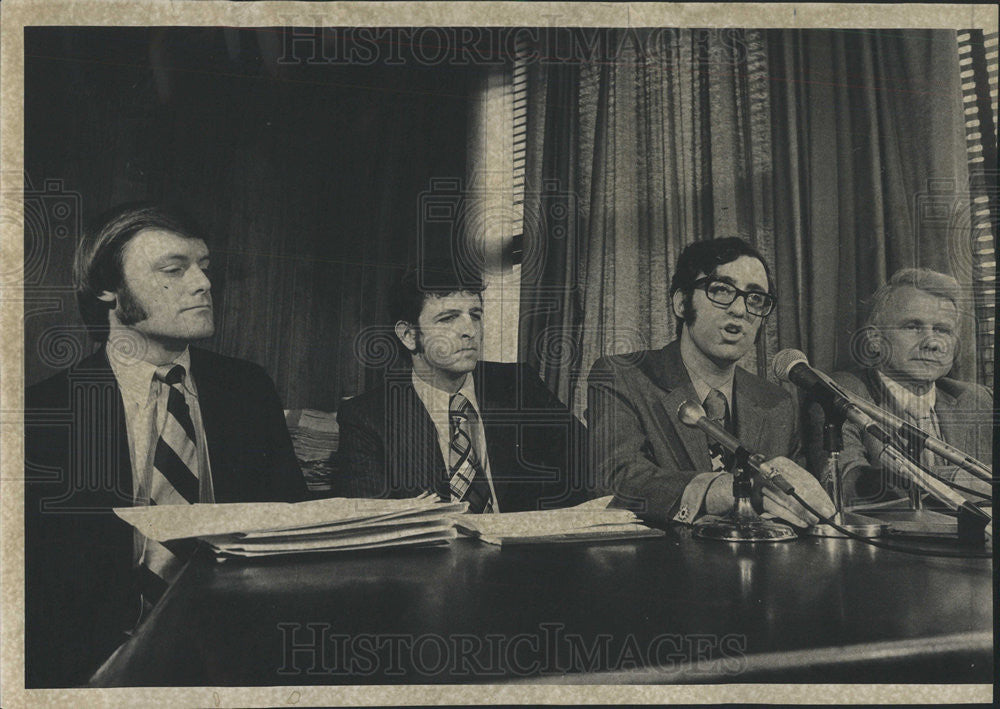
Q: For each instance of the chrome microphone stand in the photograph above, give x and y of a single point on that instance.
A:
(833, 444)
(743, 524)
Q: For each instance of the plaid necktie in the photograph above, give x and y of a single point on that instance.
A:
(467, 478)
(174, 482)
(717, 411)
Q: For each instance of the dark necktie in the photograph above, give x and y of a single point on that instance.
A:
(174, 481)
(467, 478)
(717, 411)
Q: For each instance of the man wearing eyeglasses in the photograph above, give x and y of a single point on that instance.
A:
(653, 463)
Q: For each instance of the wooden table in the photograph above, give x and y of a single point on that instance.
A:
(674, 609)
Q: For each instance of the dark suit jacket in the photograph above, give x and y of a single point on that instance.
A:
(640, 450)
(965, 416)
(80, 591)
(536, 447)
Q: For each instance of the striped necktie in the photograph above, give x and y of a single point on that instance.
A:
(467, 478)
(921, 416)
(717, 410)
(174, 481)
(927, 422)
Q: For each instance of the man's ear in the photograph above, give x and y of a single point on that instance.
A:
(107, 296)
(407, 334)
(677, 303)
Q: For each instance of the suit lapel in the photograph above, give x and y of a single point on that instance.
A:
(416, 435)
(124, 453)
(876, 388)
(952, 429)
(667, 371)
(217, 417)
(109, 424)
(427, 433)
(751, 419)
(694, 440)
(490, 434)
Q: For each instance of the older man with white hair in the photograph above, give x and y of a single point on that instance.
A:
(912, 336)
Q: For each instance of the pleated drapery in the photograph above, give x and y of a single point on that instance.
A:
(819, 147)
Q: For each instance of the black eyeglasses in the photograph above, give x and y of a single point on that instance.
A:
(721, 293)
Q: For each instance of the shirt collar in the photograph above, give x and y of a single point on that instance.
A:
(437, 401)
(702, 388)
(135, 376)
(468, 390)
(919, 405)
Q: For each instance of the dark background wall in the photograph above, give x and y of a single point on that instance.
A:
(310, 179)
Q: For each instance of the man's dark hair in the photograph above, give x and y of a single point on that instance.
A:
(705, 257)
(99, 257)
(432, 279)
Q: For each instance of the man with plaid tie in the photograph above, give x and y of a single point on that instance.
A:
(910, 339)
(144, 420)
(449, 424)
(721, 292)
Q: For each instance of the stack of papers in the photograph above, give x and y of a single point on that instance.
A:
(315, 434)
(276, 528)
(315, 438)
(575, 524)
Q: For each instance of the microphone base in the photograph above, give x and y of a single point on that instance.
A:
(743, 524)
(733, 532)
(858, 524)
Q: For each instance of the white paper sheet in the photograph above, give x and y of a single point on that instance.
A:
(167, 522)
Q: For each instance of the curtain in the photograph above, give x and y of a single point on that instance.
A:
(819, 147)
(870, 172)
(309, 179)
(631, 158)
(977, 62)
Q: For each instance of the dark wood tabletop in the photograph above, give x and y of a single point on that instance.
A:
(672, 609)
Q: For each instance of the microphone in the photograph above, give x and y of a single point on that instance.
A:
(742, 523)
(921, 438)
(792, 366)
(693, 415)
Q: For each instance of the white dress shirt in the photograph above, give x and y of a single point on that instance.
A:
(145, 401)
(693, 497)
(437, 402)
(919, 408)
(703, 388)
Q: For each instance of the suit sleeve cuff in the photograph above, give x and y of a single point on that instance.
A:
(693, 497)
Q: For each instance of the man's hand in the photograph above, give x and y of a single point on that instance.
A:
(806, 486)
(719, 496)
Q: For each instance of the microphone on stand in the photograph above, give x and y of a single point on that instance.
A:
(913, 440)
(691, 414)
(791, 365)
(921, 438)
(742, 524)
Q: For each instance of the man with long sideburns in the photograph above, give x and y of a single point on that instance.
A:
(146, 419)
(653, 463)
